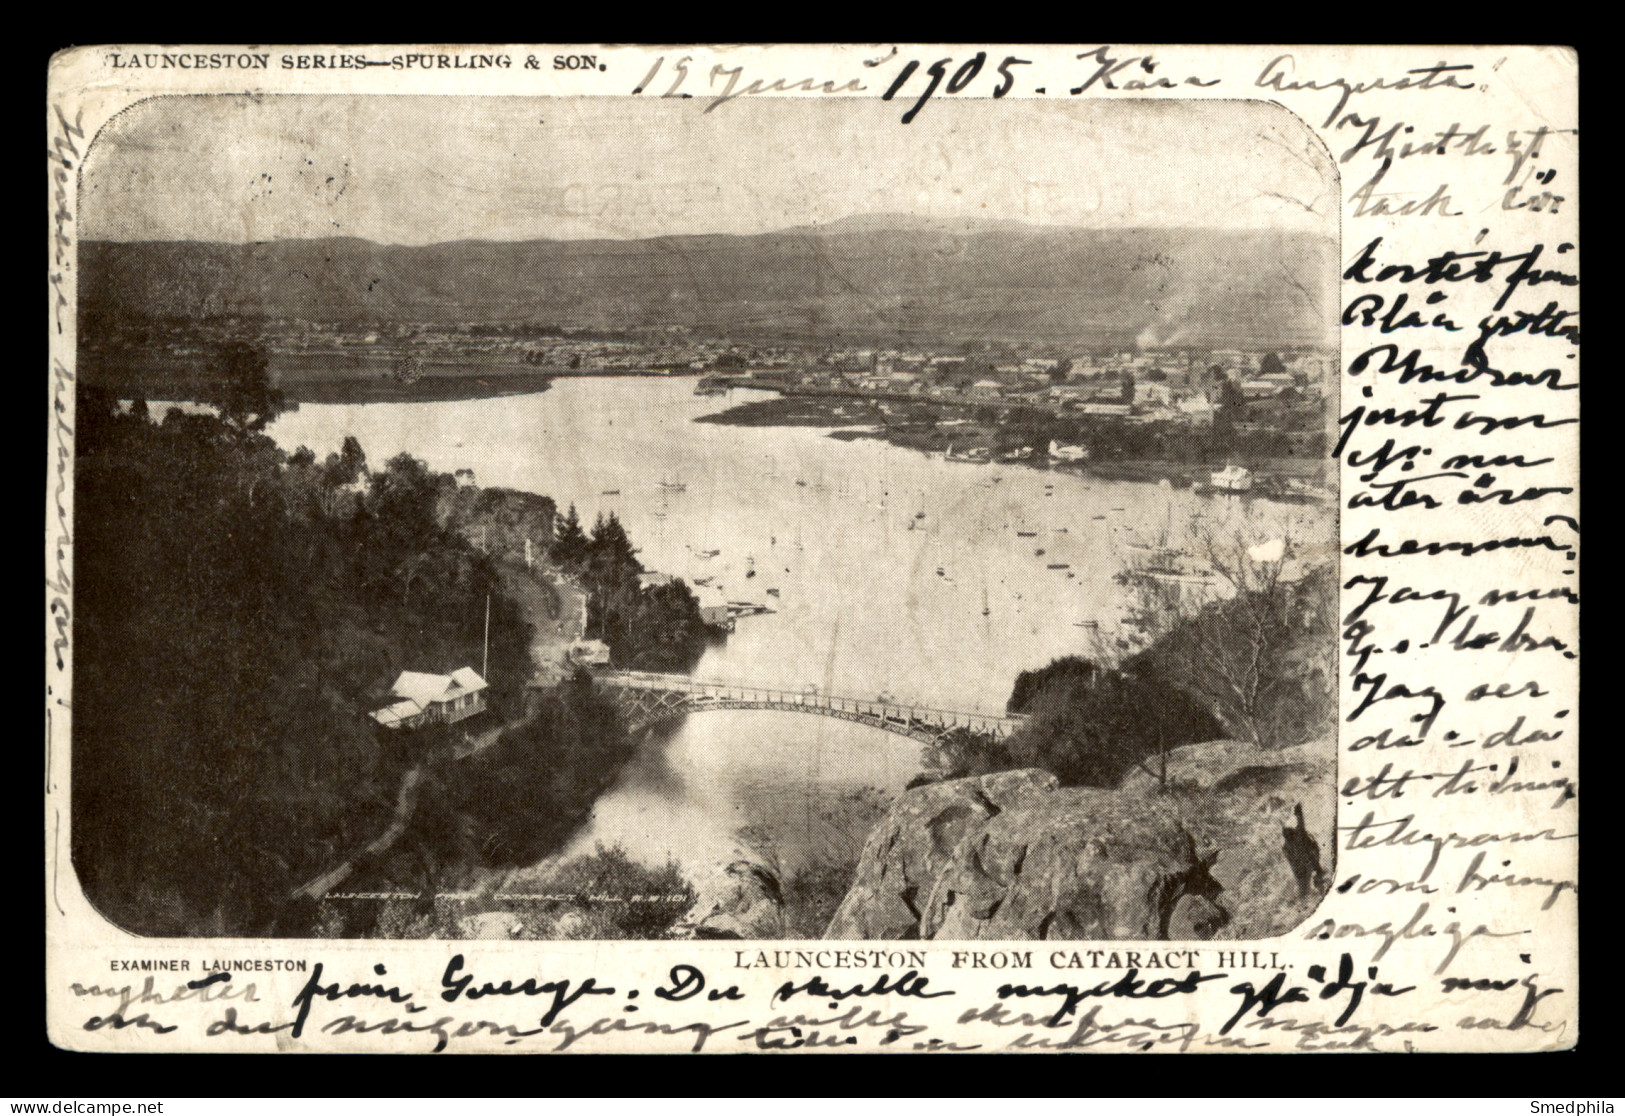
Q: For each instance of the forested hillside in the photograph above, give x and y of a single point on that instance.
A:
(239, 612)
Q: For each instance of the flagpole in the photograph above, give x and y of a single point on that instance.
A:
(485, 664)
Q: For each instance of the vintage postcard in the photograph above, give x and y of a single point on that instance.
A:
(835, 549)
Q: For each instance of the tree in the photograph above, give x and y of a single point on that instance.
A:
(352, 461)
(403, 500)
(237, 383)
(1271, 365)
(1229, 409)
(1256, 651)
(1128, 387)
(1062, 369)
(611, 549)
(569, 541)
(1088, 724)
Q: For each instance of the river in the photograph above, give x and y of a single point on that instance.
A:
(942, 609)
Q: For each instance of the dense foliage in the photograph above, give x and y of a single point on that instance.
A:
(536, 785)
(1088, 725)
(655, 627)
(239, 611)
(1254, 667)
(1261, 660)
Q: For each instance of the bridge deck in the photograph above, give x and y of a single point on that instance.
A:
(899, 716)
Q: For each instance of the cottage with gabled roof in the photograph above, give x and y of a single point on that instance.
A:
(429, 699)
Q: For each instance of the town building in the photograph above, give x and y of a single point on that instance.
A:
(1196, 408)
(714, 611)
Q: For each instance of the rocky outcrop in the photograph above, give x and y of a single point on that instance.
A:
(905, 854)
(1232, 842)
(1264, 818)
(1074, 864)
(744, 900)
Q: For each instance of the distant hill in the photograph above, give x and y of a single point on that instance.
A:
(873, 276)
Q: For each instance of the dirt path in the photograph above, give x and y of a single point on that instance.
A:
(555, 608)
(406, 802)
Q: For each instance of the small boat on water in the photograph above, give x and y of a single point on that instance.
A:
(1099, 517)
(1060, 565)
(940, 572)
(611, 492)
(706, 553)
(1027, 534)
(1090, 624)
(1039, 553)
(772, 592)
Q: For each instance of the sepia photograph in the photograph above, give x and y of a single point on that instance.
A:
(598, 518)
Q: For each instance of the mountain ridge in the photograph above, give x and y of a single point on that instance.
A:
(960, 279)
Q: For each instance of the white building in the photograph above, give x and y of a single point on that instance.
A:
(426, 699)
(589, 652)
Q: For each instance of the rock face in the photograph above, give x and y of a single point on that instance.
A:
(1233, 843)
(906, 853)
(744, 900)
(1266, 821)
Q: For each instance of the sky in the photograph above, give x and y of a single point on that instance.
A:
(429, 169)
